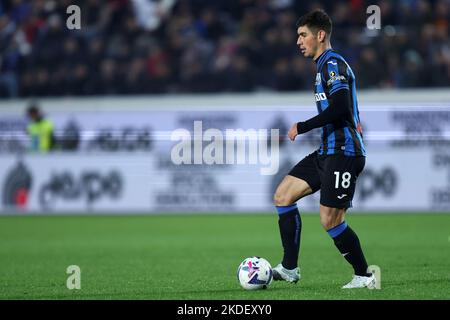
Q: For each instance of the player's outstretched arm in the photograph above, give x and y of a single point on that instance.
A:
(338, 109)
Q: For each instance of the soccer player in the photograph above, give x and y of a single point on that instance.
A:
(335, 166)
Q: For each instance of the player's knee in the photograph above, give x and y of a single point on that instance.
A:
(327, 222)
(281, 199)
(331, 217)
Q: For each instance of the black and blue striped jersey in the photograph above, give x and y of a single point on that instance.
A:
(343, 135)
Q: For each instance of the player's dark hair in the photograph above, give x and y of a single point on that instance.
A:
(316, 20)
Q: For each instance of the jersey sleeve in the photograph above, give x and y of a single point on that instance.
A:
(335, 75)
(338, 109)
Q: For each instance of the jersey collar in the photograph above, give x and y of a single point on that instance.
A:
(320, 58)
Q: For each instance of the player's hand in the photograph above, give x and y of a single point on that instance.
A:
(293, 132)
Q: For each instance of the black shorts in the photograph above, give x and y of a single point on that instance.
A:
(334, 175)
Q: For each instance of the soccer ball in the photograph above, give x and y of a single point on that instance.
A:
(254, 273)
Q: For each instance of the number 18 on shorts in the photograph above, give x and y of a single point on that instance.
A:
(334, 175)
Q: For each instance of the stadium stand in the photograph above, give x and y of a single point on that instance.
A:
(199, 46)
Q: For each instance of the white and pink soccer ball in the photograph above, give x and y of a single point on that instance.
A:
(255, 273)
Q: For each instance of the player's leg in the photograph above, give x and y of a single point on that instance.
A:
(290, 190)
(302, 180)
(348, 244)
(338, 186)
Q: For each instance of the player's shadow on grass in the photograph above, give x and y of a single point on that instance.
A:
(276, 287)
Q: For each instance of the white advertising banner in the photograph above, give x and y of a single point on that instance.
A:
(384, 126)
(117, 154)
(151, 183)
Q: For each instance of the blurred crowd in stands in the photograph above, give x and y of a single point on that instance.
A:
(202, 46)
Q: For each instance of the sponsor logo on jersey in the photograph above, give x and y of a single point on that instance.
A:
(334, 78)
(320, 96)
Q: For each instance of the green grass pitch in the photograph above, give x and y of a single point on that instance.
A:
(196, 256)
